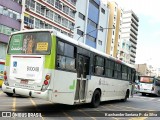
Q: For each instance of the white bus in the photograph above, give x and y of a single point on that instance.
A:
(149, 85)
(49, 65)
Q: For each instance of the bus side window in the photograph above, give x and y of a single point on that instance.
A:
(66, 56)
(157, 83)
(109, 68)
(99, 65)
(124, 72)
(117, 71)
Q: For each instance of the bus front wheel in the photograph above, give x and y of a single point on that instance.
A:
(96, 99)
(10, 94)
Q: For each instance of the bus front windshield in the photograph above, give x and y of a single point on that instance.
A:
(30, 43)
(146, 80)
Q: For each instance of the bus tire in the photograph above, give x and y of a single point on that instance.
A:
(10, 94)
(96, 99)
(126, 96)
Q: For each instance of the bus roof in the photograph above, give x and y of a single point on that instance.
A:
(75, 42)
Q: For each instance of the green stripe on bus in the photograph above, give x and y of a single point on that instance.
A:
(7, 63)
(50, 59)
(71, 87)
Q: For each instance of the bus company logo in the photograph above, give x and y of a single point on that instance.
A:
(6, 114)
(30, 68)
(14, 63)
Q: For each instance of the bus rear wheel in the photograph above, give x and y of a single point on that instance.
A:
(10, 94)
(96, 99)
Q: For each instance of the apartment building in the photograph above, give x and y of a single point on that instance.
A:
(10, 12)
(114, 35)
(129, 36)
(49, 14)
(92, 21)
(145, 69)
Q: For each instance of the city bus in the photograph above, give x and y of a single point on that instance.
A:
(2, 63)
(149, 85)
(50, 65)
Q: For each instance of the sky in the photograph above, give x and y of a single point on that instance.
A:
(148, 43)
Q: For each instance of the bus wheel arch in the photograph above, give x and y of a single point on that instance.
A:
(96, 98)
(126, 96)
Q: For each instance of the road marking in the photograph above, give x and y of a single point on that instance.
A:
(14, 104)
(86, 114)
(1, 92)
(70, 118)
(138, 118)
(34, 104)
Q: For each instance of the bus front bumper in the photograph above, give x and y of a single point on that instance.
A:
(26, 92)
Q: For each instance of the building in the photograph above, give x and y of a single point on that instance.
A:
(129, 33)
(49, 14)
(145, 69)
(114, 35)
(92, 22)
(10, 12)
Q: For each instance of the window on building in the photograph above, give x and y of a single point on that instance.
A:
(94, 3)
(72, 13)
(92, 23)
(99, 42)
(79, 32)
(6, 30)
(65, 9)
(102, 10)
(71, 25)
(81, 16)
(32, 4)
(29, 20)
(65, 22)
(91, 38)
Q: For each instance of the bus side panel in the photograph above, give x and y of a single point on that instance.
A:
(64, 87)
(111, 89)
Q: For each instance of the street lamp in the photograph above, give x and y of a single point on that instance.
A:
(94, 30)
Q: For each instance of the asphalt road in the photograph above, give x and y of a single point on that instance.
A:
(37, 109)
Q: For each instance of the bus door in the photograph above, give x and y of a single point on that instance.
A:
(82, 72)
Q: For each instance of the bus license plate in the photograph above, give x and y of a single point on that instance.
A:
(24, 82)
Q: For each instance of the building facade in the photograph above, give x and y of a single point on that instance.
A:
(129, 33)
(92, 22)
(49, 14)
(114, 35)
(147, 70)
(10, 13)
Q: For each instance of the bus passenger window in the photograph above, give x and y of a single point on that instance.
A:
(60, 48)
(70, 63)
(99, 65)
(61, 62)
(109, 68)
(124, 72)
